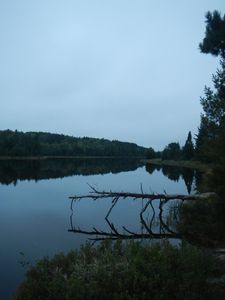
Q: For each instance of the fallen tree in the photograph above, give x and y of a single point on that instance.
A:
(95, 194)
(164, 230)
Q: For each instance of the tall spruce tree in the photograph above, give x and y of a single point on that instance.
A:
(214, 40)
(210, 142)
(188, 149)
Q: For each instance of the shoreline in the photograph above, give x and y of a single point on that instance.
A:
(181, 163)
(61, 157)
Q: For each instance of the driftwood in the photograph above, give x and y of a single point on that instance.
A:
(113, 234)
(95, 194)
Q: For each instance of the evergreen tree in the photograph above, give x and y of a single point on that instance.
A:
(150, 153)
(214, 40)
(172, 151)
(188, 149)
(210, 142)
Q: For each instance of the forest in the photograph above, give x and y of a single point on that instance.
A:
(15, 143)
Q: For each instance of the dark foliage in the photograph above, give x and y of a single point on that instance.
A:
(172, 151)
(214, 40)
(188, 149)
(202, 222)
(125, 271)
(210, 142)
(150, 153)
(14, 143)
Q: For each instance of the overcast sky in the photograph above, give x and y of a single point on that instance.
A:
(119, 69)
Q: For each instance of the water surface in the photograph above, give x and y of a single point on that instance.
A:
(35, 210)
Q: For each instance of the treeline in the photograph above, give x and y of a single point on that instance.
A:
(174, 151)
(15, 143)
(209, 143)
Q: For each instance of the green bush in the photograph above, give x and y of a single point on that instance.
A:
(125, 271)
(202, 222)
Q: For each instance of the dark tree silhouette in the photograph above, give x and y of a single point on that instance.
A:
(15, 143)
(172, 151)
(210, 142)
(188, 149)
(214, 40)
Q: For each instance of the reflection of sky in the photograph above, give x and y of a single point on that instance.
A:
(34, 216)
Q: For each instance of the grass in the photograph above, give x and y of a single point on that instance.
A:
(126, 271)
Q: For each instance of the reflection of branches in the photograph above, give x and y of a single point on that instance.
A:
(163, 225)
(113, 233)
(143, 222)
(127, 234)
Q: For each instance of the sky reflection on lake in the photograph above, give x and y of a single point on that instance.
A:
(35, 213)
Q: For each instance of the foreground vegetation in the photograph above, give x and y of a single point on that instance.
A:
(126, 271)
(202, 222)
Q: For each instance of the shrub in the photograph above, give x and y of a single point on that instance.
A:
(202, 222)
(125, 271)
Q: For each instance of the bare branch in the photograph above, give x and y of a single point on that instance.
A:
(95, 194)
(114, 201)
(114, 234)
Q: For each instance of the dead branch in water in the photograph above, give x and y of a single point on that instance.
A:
(95, 194)
(126, 234)
(113, 233)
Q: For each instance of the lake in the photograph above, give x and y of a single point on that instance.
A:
(36, 214)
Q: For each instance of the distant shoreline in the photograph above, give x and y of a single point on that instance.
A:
(60, 157)
(180, 163)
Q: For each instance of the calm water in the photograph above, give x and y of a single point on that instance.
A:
(35, 212)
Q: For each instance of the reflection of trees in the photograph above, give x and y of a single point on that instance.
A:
(171, 172)
(13, 170)
(175, 173)
(152, 168)
(188, 176)
(164, 229)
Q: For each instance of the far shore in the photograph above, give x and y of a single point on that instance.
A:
(59, 157)
(156, 161)
(192, 164)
